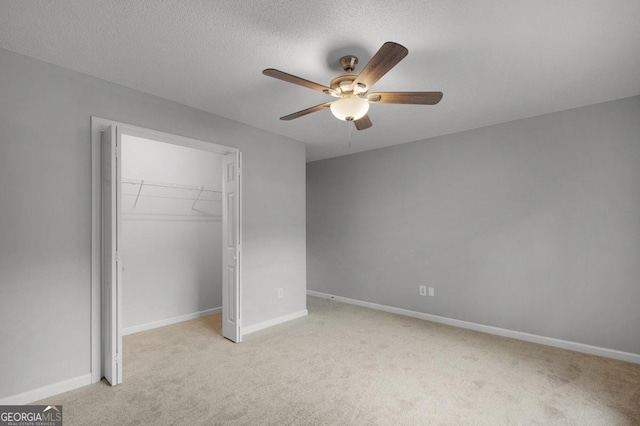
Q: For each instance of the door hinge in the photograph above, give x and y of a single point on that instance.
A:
(117, 256)
(117, 151)
(118, 358)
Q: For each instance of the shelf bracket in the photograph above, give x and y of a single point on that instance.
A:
(197, 198)
(139, 191)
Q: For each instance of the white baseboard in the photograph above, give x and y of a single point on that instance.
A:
(47, 391)
(269, 323)
(549, 341)
(169, 321)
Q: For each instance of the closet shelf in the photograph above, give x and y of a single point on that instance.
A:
(143, 182)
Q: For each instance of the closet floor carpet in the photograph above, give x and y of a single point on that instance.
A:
(347, 365)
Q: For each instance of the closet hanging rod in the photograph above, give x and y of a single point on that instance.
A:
(145, 182)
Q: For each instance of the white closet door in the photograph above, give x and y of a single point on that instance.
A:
(111, 269)
(231, 247)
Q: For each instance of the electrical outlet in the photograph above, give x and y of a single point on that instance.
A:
(280, 293)
(423, 290)
(431, 294)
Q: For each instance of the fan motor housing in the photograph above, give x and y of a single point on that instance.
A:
(343, 83)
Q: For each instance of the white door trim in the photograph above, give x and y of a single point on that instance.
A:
(97, 125)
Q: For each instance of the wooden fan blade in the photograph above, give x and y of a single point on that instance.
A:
(363, 123)
(306, 111)
(416, 98)
(280, 75)
(386, 58)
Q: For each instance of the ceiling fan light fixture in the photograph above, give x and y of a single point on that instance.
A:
(349, 108)
(350, 89)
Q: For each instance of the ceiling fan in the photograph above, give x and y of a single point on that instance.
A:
(351, 90)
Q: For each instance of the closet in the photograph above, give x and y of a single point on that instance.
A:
(171, 233)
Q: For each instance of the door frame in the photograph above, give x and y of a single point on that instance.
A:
(98, 124)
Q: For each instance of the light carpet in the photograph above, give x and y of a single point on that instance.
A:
(347, 365)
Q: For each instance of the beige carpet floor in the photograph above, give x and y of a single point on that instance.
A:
(346, 365)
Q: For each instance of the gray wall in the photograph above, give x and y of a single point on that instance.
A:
(532, 225)
(45, 212)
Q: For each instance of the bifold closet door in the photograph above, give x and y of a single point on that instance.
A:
(231, 247)
(111, 265)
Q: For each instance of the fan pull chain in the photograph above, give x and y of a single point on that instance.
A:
(350, 130)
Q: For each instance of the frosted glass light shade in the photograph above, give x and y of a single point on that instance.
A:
(349, 108)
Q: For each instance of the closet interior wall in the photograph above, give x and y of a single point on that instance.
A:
(171, 233)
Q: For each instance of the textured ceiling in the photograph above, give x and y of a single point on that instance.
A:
(495, 61)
